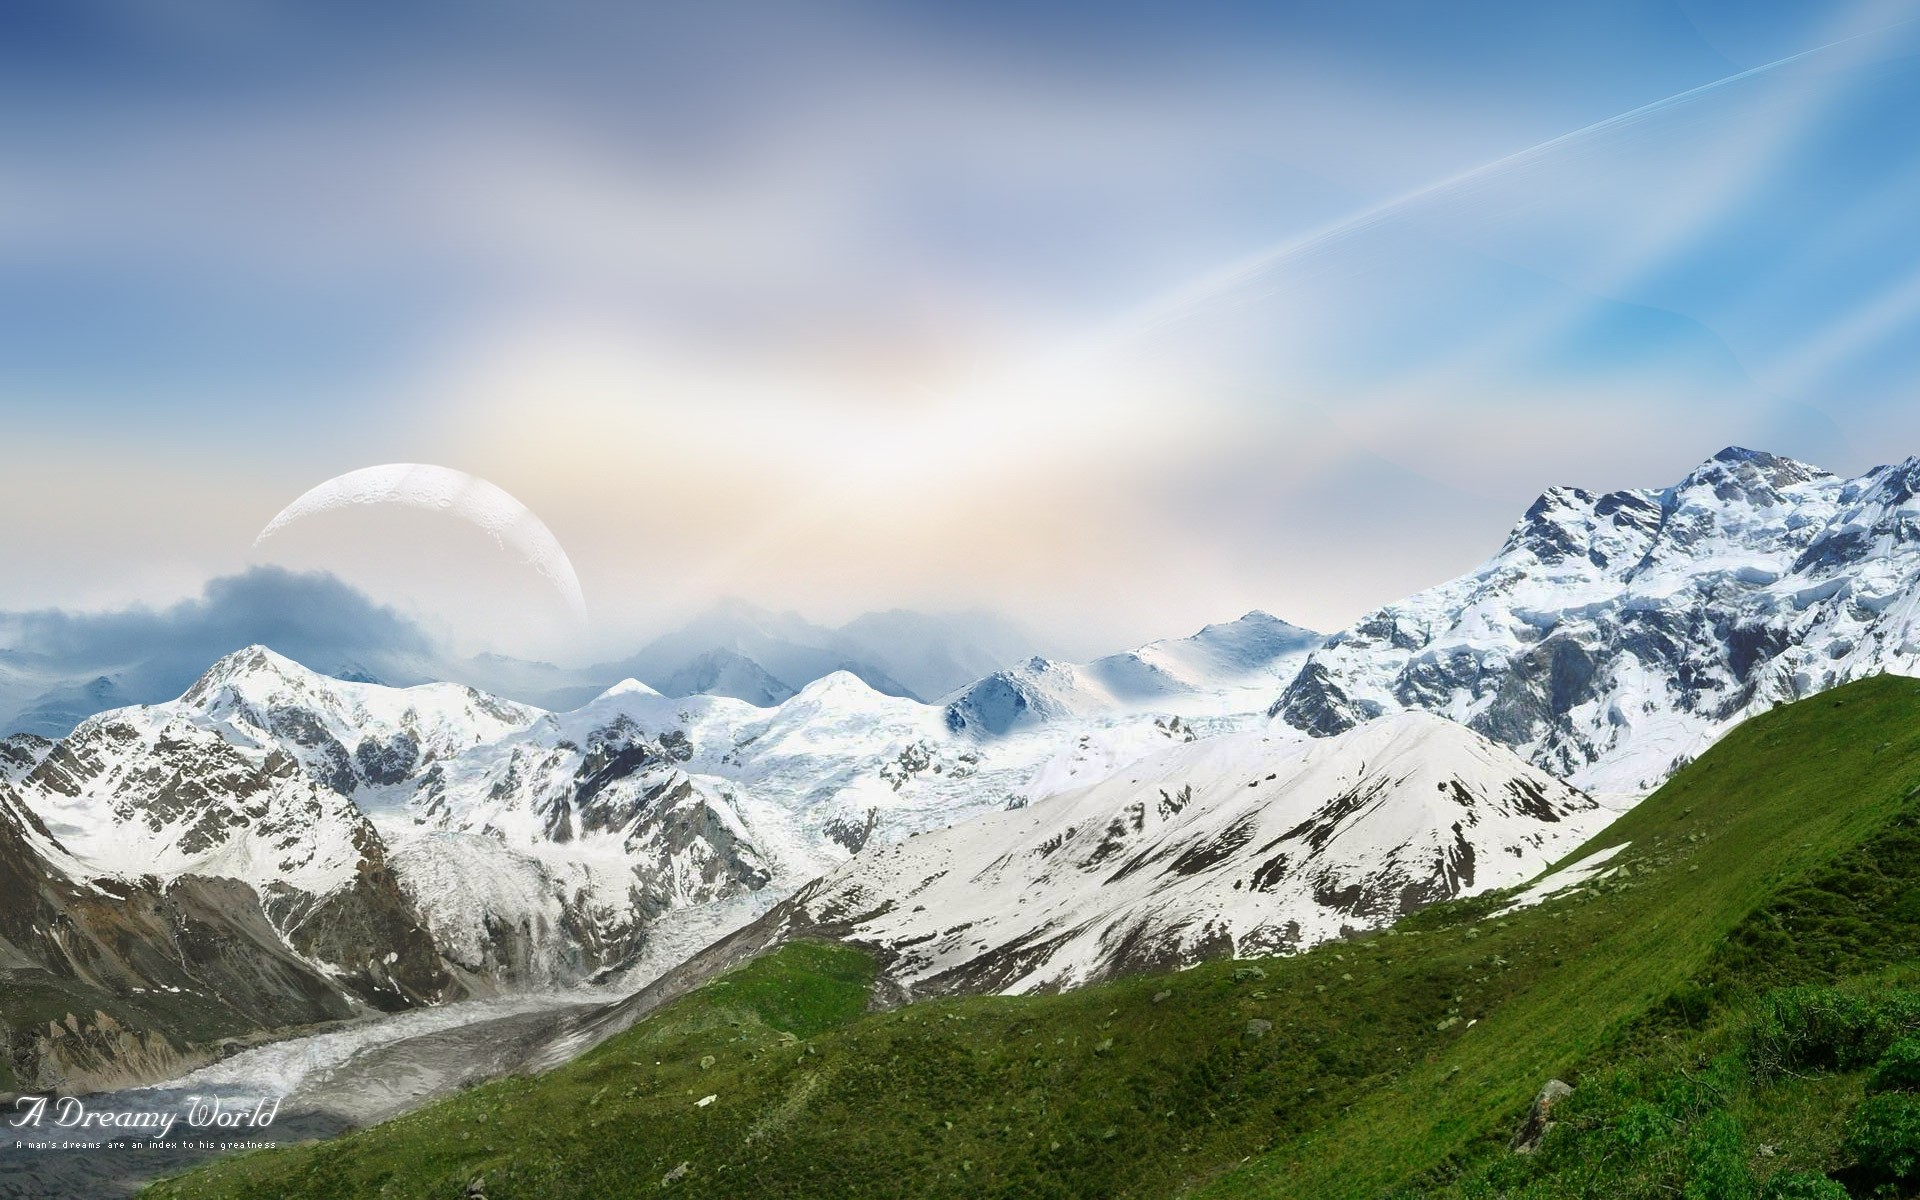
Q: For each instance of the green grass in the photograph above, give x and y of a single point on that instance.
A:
(1781, 796)
(1399, 1063)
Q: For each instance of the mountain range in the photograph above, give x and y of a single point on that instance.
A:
(1252, 788)
(1712, 997)
(52, 677)
(418, 845)
(1224, 669)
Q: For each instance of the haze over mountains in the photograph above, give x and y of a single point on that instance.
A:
(58, 668)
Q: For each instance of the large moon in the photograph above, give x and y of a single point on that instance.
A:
(510, 524)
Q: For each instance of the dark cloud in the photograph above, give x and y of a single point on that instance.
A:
(59, 666)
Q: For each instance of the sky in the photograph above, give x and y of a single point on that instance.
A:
(1117, 318)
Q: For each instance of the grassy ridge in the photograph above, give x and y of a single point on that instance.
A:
(1398, 1062)
(1779, 797)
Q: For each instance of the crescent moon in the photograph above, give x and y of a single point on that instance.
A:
(511, 524)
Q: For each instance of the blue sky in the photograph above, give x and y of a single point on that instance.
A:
(848, 305)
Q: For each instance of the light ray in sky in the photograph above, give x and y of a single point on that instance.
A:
(1184, 301)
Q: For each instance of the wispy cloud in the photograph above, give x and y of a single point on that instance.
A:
(748, 297)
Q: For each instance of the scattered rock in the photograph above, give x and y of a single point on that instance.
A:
(1159, 996)
(677, 1174)
(1257, 1029)
(706, 1062)
(477, 1188)
(1242, 974)
(1527, 1139)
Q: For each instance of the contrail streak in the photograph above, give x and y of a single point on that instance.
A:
(1173, 305)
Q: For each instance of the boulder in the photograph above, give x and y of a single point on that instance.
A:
(1539, 1118)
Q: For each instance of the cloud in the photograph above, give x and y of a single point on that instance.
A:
(58, 666)
(741, 298)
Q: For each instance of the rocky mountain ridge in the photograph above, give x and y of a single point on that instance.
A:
(1615, 636)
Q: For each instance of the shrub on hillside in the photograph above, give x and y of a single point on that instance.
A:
(1883, 1135)
(1802, 1185)
(1717, 1161)
(1898, 1069)
(1825, 1028)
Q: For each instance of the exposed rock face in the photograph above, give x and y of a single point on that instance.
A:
(108, 982)
(20, 754)
(586, 830)
(1615, 636)
(151, 792)
(1237, 845)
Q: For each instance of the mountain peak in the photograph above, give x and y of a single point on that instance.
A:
(250, 661)
(1741, 463)
(842, 685)
(1258, 618)
(626, 687)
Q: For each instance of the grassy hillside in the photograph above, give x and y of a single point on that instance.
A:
(1723, 1006)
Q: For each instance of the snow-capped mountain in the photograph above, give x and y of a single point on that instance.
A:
(243, 779)
(426, 842)
(738, 650)
(638, 803)
(1615, 636)
(59, 667)
(1252, 843)
(735, 649)
(20, 754)
(1226, 668)
(724, 672)
(113, 981)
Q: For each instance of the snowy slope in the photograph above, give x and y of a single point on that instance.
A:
(1228, 668)
(532, 847)
(1249, 843)
(789, 791)
(1615, 636)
